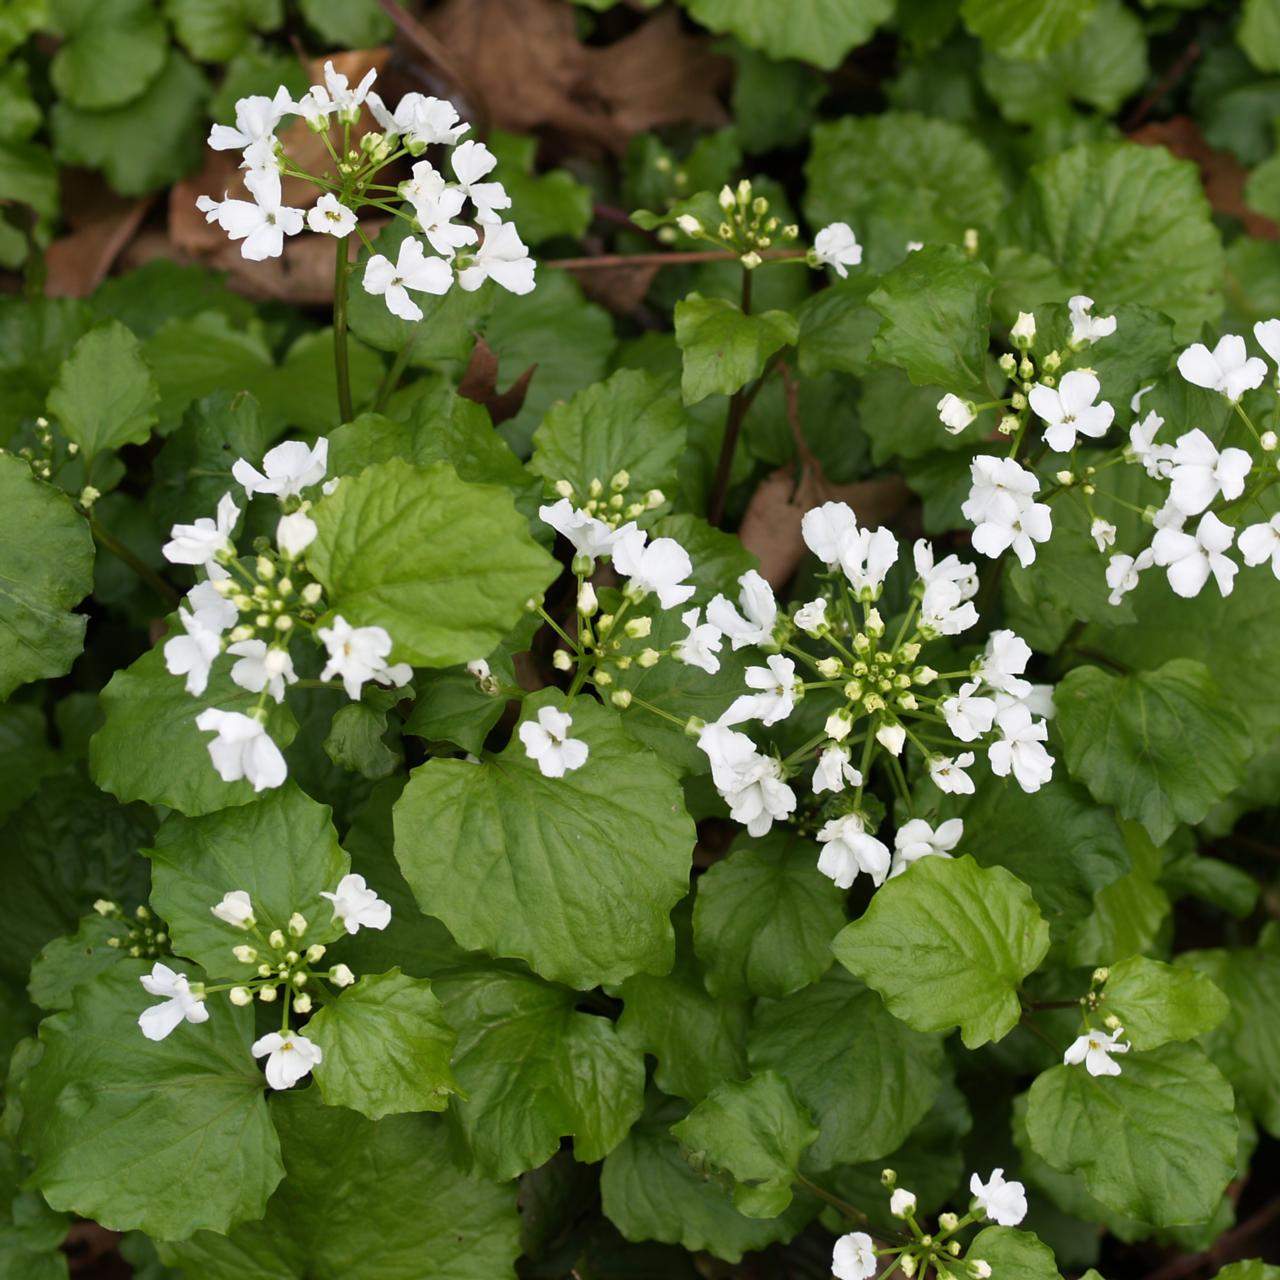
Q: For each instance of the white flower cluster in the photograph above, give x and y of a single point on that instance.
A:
(417, 122)
(284, 963)
(251, 609)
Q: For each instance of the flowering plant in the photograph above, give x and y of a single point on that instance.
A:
(789, 776)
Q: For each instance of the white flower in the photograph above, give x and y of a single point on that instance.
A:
(1094, 1049)
(836, 246)
(290, 467)
(1003, 662)
(330, 217)
(728, 752)
(1069, 409)
(824, 527)
(1021, 748)
(210, 606)
(948, 773)
(1003, 1202)
(261, 223)
(206, 539)
(1228, 368)
(1260, 542)
(180, 1005)
(848, 849)
(423, 121)
(754, 625)
(892, 737)
(236, 908)
(956, 414)
(1122, 573)
(262, 668)
(1190, 559)
(192, 655)
(758, 795)
(1087, 329)
(242, 749)
(834, 771)
(968, 715)
(590, 537)
(478, 668)
(412, 270)
(1018, 530)
(902, 1202)
(359, 654)
(1135, 401)
(435, 206)
(866, 556)
(812, 617)
(943, 609)
(503, 258)
(917, 839)
(357, 906)
(346, 101)
(1200, 472)
(700, 647)
(1000, 489)
(1267, 332)
(1155, 458)
(1103, 532)
(289, 1057)
(854, 1257)
(776, 698)
(471, 161)
(295, 533)
(256, 120)
(547, 741)
(661, 566)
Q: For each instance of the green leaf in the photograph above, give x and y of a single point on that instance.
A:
(1247, 1044)
(1157, 1142)
(68, 962)
(1253, 1269)
(1160, 745)
(146, 144)
(649, 1192)
(772, 102)
(866, 1078)
(111, 50)
(1110, 215)
(1012, 1254)
(533, 1070)
(445, 566)
(582, 893)
(386, 1047)
(394, 1205)
(756, 1131)
(724, 349)
(46, 569)
(204, 355)
(947, 944)
(1026, 31)
(764, 918)
(168, 1137)
(216, 30)
(936, 312)
(25, 755)
(105, 395)
(1158, 1003)
(1259, 33)
(195, 861)
(837, 327)
(355, 741)
(818, 31)
(542, 206)
(150, 749)
(349, 24)
(631, 422)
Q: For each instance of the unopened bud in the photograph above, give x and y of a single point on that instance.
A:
(1100, 975)
(689, 225)
(828, 668)
(638, 628)
(948, 1221)
(562, 660)
(266, 570)
(1112, 1022)
(89, 495)
(981, 1269)
(302, 1003)
(1008, 364)
(246, 955)
(587, 602)
(647, 658)
(838, 725)
(751, 260)
(1052, 362)
(971, 241)
(654, 498)
(276, 939)
(1269, 441)
(311, 593)
(601, 677)
(621, 698)
(299, 979)
(315, 953)
(267, 995)
(875, 623)
(265, 971)
(105, 907)
(297, 924)
(888, 1178)
(1008, 424)
(240, 996)
(341, 976)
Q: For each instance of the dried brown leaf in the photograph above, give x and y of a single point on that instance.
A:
(480, 383)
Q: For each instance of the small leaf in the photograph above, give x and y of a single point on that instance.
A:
(68, 962)
(818, 31)
(1026, 31)
(724, 349)
(111, 50)
(1158, 1003)
(1013, 1255)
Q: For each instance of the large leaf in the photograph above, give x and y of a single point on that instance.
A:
(1157, 1142)
(1159, 745)
(1111, 216)
(818, 31)
(1158, 1003)
(533, 1070)
(281, 850)
(111, 50)
(105, 395)
(723, 348)
(363, 1198)
(1259, 33)
(935, 310)
(764, 918)
(1015, 1255)
(46, 568)
(168, 1137)
(150, 749)
(386, 1047)
(445, 566)
(576, 875)
(1026, 30)
(755, 1131)
(866, 1078)
(947, 944)
(216, 30)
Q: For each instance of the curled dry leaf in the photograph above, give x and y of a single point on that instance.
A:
(480, 383)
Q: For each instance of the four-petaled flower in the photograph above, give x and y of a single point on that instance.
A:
(412, 270)
(848, 848)
(180, 1004)
(1094, 1049)
(660, 566)
(754, 625)
(546, 741)
(358, 906)
(1228, 368)
(359, 654)
(916, 839)
(289, 1056)
(1189, 559)
(1003, 1202)
(701, 647)
(837, 247)
(242, 749)
(854, 1257)
(1069, 410)
(289, 468)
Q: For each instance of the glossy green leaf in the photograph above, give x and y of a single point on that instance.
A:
(1158, 1003)
(1013, 1254)
(69, 961)
(724, 349)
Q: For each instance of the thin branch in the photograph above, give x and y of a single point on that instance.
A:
(1166, 82)
(605, 261)
(109, 542)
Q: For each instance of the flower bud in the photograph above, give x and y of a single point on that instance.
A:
(689, 225)
(924, 675)
(1052, 362)
(240, 996)
(601, 677)
(981, 1269)
(875, 623)
(265, 569)
(89, 495)
(284, 623)
(299, 979)
(908, 1265)
(267, 995)
(726, 198)
(276, 939)
(654, 499)
(297, 924)
(246, 955)
(1100, 975)
(853, 690)
(638, 628)
(1269, 441)
(315, 953)
(105, 907)
(948, 1221)
(744, 191)
(888, 1178)
(262, 620)
(265, 971)
(1112, 1022)
(647, 658)
(751, 260)
(1008, 364)
(621, 698)
(971, 241)
(954, 1248)
(292, 957)
(838, 725)
(828, 668)
(562, 660)
(341, 976)
(1008, 424)
(311, 593)
(587, 602)
(902, 1203)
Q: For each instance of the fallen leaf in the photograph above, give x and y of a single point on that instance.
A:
(620, 289)
(76, 264)
(480, 383)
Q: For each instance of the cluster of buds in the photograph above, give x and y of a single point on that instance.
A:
(42, 457)
(144, 937)
(613, 504)
(748, 227)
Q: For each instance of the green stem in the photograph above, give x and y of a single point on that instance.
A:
(340, 356)
(393, 376)
(109, 542)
